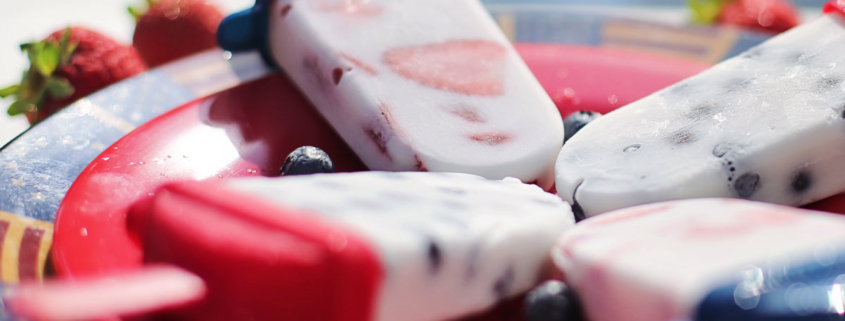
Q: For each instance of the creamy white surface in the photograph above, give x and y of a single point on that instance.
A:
(422, 128)
(655, 262)
(486, 232)
(775, 112)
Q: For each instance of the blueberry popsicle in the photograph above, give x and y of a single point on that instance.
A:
(364, 246)
(767, 125)
(657, 262)
(419, 85)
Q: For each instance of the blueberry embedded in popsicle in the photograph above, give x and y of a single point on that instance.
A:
(577, 120)
(682, 137)
(503, 285)
(830, 82)
(307, 160)
(722, 149)
(552, 301)
(747, 184)
(801, 182)
(435, 257)
(702, 112)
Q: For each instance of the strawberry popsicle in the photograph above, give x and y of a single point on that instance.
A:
(766, 125)
(364, 246)
(417, 85)
(657, 262)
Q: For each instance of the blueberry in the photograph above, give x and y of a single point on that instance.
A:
(801, 182)
(577, 120)
(307, 160)
(435, 257)
(552, 301)
(747, 184)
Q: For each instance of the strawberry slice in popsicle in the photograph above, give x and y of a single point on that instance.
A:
(364, 246)
(415, 85)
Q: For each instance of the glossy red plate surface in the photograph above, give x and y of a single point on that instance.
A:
(250, 129)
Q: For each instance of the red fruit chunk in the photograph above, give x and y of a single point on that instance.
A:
(837, 6)
(362, 8)
(471, 67)
(491, 139)
(468, 113)
(360, 64)
(258, 261)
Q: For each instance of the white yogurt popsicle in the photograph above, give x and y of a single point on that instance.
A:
(766, 125)
(419, 85)
(656, 262)
(448, 244)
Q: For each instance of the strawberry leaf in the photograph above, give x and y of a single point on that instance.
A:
(20, 107)
(135, 13)
(68, 53)
(48, 59)
(59, 88)
(26, 46)
(8, 91)
(66, 48)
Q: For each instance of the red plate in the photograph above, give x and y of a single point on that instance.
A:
(250, 129)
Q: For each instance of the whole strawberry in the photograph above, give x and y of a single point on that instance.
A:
(771, 16)
(172, 29)
(66, 66)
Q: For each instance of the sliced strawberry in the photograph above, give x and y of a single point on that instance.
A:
(471, 67)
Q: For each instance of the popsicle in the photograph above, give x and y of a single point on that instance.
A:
(808, 291)
(657, 262)
(766, 125)
(364, 246)
(414, 85)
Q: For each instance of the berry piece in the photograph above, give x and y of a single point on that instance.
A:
(577, 120)
(747, 184)
(471, 67)
(66, 66)
(307, 160)
(552, 301)
(173, 29)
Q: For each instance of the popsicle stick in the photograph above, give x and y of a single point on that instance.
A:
(147, 290)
